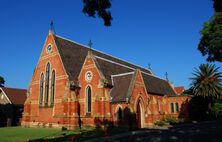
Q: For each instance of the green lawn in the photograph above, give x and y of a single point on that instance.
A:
(19, 134)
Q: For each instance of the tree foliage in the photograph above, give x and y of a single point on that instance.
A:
(2, 81)
(211, 41)
(198, 108)
(217, 5)
(207, 81)
(100, 8)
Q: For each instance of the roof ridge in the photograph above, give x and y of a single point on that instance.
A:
(154, 76)
(103, 53)
(13, 88)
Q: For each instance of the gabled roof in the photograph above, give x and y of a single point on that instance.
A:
(121, 83)
(74, 54)
(179, 90)
(157, 86)
(15, 96)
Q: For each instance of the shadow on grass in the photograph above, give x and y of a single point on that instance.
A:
(87, 134)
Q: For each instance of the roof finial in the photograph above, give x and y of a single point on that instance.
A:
(149, 66)
(51, 27)
(166, 75)
(90, 44)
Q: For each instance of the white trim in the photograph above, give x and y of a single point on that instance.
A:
(48, 52)
(5, 95)
(121, 74)
(89, 71)
(103, 53)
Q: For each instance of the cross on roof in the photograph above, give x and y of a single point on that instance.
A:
(90, 44)
(51, 27)
(149, 66)
(166, 74)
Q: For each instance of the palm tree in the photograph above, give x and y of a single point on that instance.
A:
(207, 81)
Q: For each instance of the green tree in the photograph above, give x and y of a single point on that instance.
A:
(217, 5)
(206, 87)
(2, 81)
(211, 41)
(99, 8)
(207, 81)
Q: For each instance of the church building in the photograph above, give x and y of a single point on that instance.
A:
(76, 86)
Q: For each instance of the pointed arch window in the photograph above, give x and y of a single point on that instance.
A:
(119, 114)
(158, 105)
(41, 89)
(172, 107)
(88, 99)
(47, 84)
(52, 88)
(177, 107)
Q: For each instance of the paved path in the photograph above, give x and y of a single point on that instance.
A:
(199, 132)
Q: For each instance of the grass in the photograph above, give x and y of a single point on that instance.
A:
(19, 134)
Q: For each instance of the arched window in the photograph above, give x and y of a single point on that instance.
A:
(88, 99)
(158, 105)
(119, 114)
(52, 88)
(41, 89)
(177, 107)
(172, 107)
(47, 84)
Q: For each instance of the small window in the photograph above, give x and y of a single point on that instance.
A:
(172, 107)
(177, 107)
(49, 48)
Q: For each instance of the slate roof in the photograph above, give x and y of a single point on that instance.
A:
(121, 87)
(74, 54)
(16, 96)
(157, 86)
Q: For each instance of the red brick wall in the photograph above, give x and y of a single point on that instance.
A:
(35, 113)
(67, 102)
(100, 95)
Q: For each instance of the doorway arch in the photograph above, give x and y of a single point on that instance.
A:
(140, 113)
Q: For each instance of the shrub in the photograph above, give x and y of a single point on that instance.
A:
(160, 123)
(198, 107)
(217, 108)
(171, 120)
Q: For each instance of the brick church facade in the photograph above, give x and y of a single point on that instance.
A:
(73, 86)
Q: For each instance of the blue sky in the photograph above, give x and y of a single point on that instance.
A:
(162, 33)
